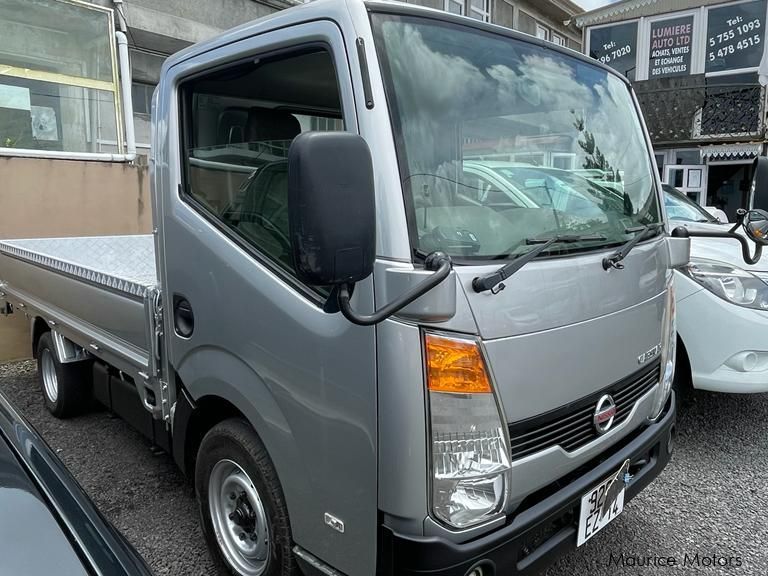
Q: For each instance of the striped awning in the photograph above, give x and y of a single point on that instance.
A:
(609, 11)
(732, 151)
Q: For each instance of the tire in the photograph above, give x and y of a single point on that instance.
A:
(66, 387)
(234, 476)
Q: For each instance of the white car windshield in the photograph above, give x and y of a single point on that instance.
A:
(680, 207)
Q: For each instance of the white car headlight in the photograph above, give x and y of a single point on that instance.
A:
(729, 282)
(668, 351)
(469, 440)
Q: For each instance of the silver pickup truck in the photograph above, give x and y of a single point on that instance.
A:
(365, 357)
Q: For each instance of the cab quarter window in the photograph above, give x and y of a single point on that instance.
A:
(239, 123)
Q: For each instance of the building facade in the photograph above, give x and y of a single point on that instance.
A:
(694, 67)
(63, 89)
(541, 19)
(62, 78)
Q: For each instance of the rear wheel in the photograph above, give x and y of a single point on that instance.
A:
(242, 509)
(66, 387)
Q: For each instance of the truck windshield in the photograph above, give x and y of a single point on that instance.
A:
(500, 140)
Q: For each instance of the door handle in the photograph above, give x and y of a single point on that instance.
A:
(183, 316)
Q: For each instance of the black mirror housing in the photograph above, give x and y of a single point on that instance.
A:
(759, 189)
(331, 208)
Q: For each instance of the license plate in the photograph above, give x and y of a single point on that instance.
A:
(601, 505)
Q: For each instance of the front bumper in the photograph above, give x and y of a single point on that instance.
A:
(534, 537)
(714, 353)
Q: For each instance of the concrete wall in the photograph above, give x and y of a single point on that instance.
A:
(436, 4)
(52, 198)
(169, 25)
(548, 15)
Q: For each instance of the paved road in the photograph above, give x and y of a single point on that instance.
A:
(712, 501)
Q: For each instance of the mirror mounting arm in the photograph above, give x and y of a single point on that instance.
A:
(740, 215)
(440, 262)
(682, 232)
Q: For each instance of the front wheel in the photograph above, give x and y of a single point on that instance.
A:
(242, 509)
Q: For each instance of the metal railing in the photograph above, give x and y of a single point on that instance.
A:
(697, 110)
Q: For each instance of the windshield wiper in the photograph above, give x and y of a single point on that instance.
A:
(641, 233)
(489, 281)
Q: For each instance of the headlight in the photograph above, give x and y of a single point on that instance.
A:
(729, 283)
(668, 351)
(470, 450)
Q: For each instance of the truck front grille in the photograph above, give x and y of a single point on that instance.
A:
(572, 426)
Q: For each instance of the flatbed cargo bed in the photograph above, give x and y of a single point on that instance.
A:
(99, 292)
(122, 263)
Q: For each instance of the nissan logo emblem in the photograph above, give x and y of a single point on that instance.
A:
(605, 412)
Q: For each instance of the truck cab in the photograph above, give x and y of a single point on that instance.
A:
(365, 365)
(440, 438)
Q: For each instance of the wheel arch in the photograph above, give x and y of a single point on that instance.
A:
(683, 371)
(214, 385)
(192, 421)
(38, 327)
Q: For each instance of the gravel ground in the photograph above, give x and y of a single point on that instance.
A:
(143, 494)
(711, 501)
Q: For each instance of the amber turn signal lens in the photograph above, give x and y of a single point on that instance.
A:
(455, 366)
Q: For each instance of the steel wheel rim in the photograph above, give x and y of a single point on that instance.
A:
(239, 519)
(50, 379)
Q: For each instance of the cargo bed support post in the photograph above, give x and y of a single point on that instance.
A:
(162, 398)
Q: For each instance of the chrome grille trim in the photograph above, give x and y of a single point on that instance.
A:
(571, 426)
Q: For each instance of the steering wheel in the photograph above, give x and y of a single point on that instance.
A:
(278, 234)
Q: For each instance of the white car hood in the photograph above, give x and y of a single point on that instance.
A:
(721, 249)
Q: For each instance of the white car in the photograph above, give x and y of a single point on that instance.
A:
(722, 308)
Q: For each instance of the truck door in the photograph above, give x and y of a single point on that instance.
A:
(243, 328)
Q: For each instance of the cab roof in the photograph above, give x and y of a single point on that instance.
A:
(327, 9)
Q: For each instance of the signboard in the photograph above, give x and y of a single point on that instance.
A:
(671, 42)
(735, 35)
(15, 97)
(615, 46)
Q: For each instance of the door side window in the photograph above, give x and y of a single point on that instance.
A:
(238, 125)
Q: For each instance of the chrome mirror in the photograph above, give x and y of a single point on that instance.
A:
(756, 226)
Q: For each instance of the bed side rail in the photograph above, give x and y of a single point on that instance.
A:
(76, 340)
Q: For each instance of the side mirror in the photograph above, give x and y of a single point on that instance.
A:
(331, 208)
(758, 193)
(756, 226)
(332, 221)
